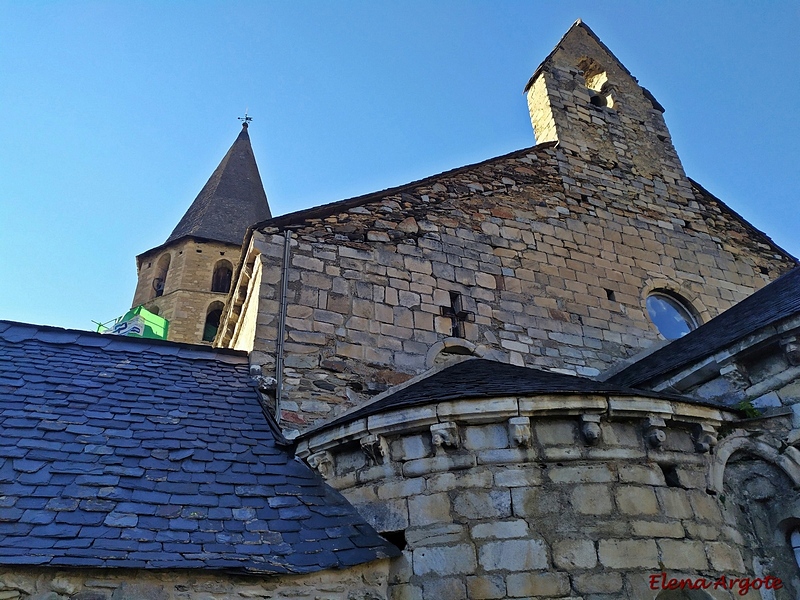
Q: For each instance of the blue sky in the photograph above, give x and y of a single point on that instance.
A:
(116, 113)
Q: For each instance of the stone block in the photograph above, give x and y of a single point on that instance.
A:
(485, 436)
(450, 587)
(725, 558)
(574, 554)
(486, 587)
(139, 591)
(646, 475)
(513, 555)
(683, 554)
(529, 476)
(443, 482)
(598, 583)
(674, 503)
(581, 474)
(627, 554)
(401, 489)
(483, 504)
(637, 501)
(591, 500)
(705, 507)
(500, 529)
(445, 560)
(429, 509)
(435, 535)
(537, 585)
(411, 447)
(405, 592)
(658, 529)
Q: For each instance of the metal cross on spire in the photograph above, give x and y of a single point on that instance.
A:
(245, 119)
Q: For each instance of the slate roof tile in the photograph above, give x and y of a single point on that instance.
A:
(481, 378)
(147, 454)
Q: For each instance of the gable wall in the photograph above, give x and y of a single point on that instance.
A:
(532, 261)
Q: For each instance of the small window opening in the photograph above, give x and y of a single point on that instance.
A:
(211, 325)
(670, 314)
(396, 538)
(596, 77)
(160, 279)
(610, 295)
(794, 540)
(670, 475)
(764, 270)
(221, 280)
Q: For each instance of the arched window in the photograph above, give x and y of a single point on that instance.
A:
(600, 89)
(213, 316)
(160, 279)
(221, 280)
(794, 540)
(671, 314)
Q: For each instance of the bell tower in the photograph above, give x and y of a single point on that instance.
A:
(187, 278)
(582, 97)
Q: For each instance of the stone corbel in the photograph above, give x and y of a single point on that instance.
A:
(376, 448)
(445, 434)
(791, 347)
(519, 431)
(654, 433)
(705, 438)
(590, 429)
(736, 375)
(322, 462)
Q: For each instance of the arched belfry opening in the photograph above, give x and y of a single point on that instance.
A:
(596, 77)
(221, 279)
(211, 325)
(160, 278)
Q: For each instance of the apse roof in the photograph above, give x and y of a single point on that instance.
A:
(772, 303)
(230, 202)
(135, 453)
(481, 378)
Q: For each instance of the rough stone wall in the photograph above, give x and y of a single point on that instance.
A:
(187, 290)
(485, 517)
(552, 281)
(365, 582)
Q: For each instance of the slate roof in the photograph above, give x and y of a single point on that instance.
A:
(230, 202)
(772, 303)
(481, 378)
(121, 452)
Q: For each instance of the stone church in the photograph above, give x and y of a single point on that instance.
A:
(568, 372)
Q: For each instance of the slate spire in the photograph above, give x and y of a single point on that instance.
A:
(231, 200)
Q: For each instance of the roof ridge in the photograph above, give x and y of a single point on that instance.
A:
(16, 331)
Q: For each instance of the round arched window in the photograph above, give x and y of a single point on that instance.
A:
(670, 314)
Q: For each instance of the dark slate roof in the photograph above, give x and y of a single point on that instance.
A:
(121, 452)
(481, 378)
(772, 303)
(230, 202)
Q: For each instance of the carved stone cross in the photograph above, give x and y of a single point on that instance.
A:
(457, 314)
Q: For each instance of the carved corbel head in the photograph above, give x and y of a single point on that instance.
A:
(444, 434)
(376, 448)
(322, 462)
(519, 431)
(590, 429)
(654, 433)
(705, 438)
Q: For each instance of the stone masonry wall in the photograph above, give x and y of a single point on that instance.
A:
(490, 514)
(187, 290)
(365, 582)
(551, 280)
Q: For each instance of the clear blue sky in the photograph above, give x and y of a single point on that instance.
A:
(116, 113)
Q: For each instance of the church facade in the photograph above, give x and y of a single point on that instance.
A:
(567, 372)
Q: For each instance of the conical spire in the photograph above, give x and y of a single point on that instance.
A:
(231, 200)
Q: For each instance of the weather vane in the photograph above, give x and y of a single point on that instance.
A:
(245, 119)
